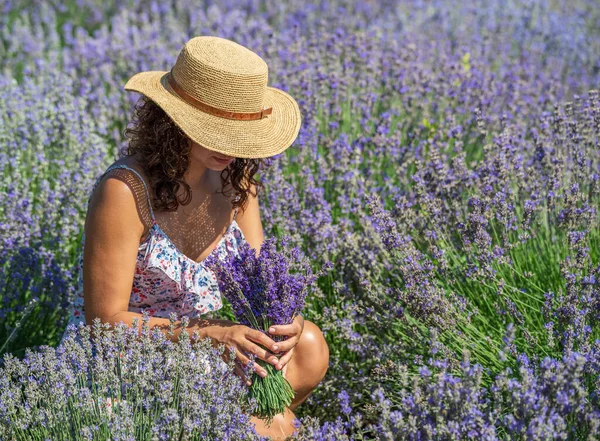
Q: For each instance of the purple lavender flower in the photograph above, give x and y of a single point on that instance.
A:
(268, 289)
(264, 290)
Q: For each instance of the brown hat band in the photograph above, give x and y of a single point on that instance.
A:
(213, 110)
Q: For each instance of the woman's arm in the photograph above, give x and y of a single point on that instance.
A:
(250, 223)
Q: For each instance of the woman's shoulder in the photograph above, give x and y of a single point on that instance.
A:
(112, 211)
(129, 172)
(129, 163)
(120, 193)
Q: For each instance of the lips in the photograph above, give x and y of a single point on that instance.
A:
(223, 161)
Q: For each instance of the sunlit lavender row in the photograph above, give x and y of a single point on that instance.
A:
(448, 165)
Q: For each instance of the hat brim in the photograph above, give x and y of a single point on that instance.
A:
(260, 138)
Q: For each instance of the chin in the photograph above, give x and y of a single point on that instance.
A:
(217, 167)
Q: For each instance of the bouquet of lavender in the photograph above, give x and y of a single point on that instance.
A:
(266, 290)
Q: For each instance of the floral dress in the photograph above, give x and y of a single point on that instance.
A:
(165, 279)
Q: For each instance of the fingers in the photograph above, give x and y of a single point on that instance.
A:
(291, 329)
(284, 359)
(263, 339)
(287, 344)
(261, 353)
(244, 360)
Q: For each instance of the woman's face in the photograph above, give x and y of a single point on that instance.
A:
(212, 160)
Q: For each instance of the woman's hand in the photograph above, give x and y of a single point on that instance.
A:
(286, 347)
(244, 340)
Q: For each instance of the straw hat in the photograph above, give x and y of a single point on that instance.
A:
(217, 94)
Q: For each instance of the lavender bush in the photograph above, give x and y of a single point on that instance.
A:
(125, 385)
(447, 165)
(49, 153)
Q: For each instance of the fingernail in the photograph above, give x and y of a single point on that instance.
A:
(279, 366)
(274, 360)
(263, 374)
(275, 347)
(271, 329)
(249, 383)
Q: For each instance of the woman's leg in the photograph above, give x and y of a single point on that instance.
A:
(309, 363)
(281, 428)
(304, 371)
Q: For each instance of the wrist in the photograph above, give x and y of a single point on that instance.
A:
(211, 328)
(204, 327)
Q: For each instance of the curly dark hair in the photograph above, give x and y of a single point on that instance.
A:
(164, 152)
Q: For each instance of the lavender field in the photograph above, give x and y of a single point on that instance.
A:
(448, 165)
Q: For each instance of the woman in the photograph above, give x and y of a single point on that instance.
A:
(154, 216)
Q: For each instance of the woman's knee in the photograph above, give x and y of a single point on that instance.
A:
(313, 345)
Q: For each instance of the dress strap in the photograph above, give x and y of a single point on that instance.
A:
(114, 166)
